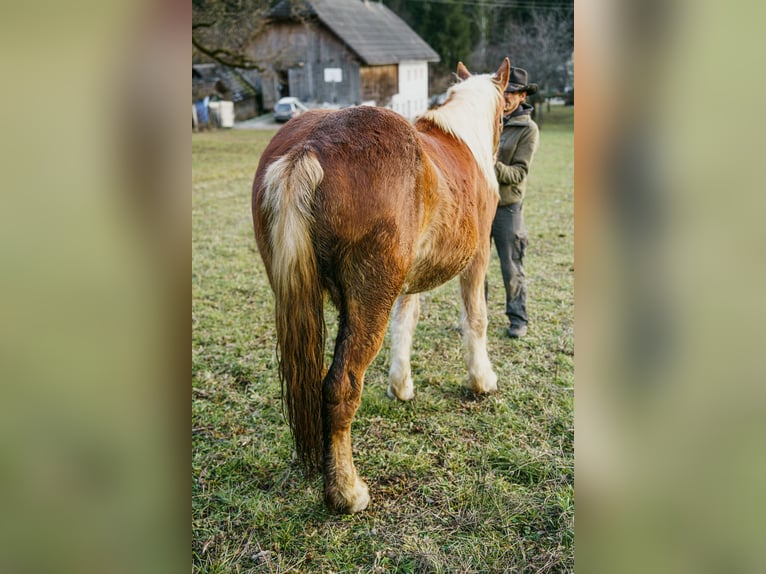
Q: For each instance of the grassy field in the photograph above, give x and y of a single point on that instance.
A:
(458, 483)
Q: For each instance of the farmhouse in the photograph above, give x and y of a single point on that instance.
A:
(343, 52)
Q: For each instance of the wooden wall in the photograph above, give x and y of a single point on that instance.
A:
(379, 83)
(301, 52)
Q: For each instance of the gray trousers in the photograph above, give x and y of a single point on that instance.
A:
(510, 237)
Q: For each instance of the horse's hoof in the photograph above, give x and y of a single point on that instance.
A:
(351, 502)
(400, 385)
(407, 394)
(481, 387)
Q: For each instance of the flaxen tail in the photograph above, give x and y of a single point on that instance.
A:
(288, 200)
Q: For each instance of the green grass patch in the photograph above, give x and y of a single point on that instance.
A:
(555, 117)
(458, 483)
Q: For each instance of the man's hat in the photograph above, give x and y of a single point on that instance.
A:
(518, 82)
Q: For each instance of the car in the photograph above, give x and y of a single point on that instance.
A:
(288, 108)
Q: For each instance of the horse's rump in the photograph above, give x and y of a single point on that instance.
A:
(377, 183)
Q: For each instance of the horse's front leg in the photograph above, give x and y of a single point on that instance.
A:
(481, 377)
(404, 319)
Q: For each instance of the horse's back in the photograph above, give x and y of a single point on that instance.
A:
(358, 136)
(369, 156)
(362, 144)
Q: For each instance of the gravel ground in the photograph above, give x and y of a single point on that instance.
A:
(264, 122)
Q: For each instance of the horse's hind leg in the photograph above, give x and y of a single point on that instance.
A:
(481, 377)
(404, 319)
(360, 335)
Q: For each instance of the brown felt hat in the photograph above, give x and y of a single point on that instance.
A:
(518, 81)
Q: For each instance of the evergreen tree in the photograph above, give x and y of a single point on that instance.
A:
(447, 26)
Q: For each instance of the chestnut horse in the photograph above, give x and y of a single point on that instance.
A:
(361, 205)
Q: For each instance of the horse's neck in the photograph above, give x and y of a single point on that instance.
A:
(440, 143)
(478, 138)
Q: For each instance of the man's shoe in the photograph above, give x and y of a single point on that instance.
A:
(517, 331)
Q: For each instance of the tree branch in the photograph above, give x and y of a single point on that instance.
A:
(226, 57)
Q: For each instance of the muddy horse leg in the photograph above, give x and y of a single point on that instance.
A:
(404, 319)
(360, 335)
(481, 377)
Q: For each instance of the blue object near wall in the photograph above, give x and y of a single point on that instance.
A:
(201, 105)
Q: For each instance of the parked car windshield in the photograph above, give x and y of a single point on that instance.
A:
(282, 108)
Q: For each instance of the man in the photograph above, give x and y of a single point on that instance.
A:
(518, 143)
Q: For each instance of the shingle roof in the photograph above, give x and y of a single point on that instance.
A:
(370, 29)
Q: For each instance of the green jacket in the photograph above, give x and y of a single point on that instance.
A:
(518, 144)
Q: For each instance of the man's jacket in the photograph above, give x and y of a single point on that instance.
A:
(518, 143)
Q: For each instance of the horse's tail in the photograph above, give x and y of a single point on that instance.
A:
(288, 200)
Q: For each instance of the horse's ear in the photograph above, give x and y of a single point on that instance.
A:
(462, 71)
(502, 74)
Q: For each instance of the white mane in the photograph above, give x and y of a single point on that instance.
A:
(469, 114)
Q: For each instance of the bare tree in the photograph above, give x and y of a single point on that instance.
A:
(546, 43)
(222, 30)
(542, 44)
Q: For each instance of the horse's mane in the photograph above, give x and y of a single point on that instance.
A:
(470, 113)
